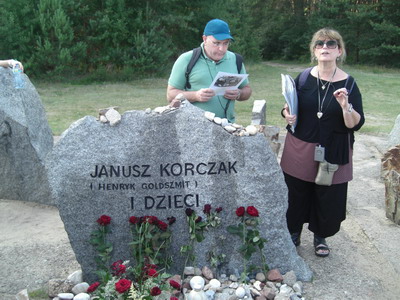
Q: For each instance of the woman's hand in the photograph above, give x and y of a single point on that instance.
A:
(350, 116)
(290, 119)
(342, 97)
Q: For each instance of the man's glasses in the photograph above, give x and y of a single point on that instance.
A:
(219, 44)
(331, 44)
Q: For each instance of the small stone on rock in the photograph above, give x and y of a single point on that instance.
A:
(75, 277)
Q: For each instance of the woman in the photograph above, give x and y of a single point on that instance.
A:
(329, 111)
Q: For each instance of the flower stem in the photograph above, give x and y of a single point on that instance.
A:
(244, 256)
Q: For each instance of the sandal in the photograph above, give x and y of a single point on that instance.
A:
(320, 246)
(296, 238)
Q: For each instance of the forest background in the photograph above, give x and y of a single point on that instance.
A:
(100, 40)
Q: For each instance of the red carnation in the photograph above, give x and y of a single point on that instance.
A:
(134, 220)
(152, 273)
(155, 291)
(252, 211)
(173, 298)
(163, 226)
(123, 285)
(189, 212)
(207, 209)
(198, 219)
(104, 220)
(240, 211)
(171, 220)
(175, 284)
(218, 209)
(93, 287)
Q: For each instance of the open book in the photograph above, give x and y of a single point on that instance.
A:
(290, 94)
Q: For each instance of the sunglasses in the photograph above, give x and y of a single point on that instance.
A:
(331, 44)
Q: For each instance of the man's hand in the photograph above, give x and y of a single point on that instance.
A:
(232, 94)
(204, 95)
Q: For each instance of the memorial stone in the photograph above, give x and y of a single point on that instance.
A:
(25, 141)
(161, 164)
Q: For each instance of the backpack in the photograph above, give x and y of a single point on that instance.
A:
(306, 72)
(195, 57)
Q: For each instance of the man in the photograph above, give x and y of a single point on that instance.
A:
(10, 63)
(215, 57)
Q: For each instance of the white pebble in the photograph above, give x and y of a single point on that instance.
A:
(80, 288)
(240, 292)
(82, 296)
(214, 283)
(65, 296)
(251, 129)
(209, 115)
(230, 129)
(218, 120)
(224, 122)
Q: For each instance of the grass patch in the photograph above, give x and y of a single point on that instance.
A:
(65, 103)
(39, 294)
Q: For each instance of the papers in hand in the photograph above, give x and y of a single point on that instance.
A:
(290, 94)
(227, 81)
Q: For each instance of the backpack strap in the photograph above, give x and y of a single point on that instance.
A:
(195, 57)
(303, 77)
(239, 62)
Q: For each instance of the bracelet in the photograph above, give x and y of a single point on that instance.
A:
(283, 116)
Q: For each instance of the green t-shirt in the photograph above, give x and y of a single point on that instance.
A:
(202, 75)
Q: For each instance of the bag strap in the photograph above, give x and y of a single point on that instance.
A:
(195, 57)
(349, 78)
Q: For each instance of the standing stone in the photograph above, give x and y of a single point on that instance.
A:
(394, 136)
(259, 112)
(25, 141)
(161, 164)
(391, 175)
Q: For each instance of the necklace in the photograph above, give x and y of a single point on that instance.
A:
(328, 82)
(323, 86)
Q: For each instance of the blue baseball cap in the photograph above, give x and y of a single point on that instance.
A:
(218, 29)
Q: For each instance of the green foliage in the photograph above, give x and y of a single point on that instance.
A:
(197, 226)
(108, 39)
(247, 231)
(103, 248)
(151, 239)
(55, 44)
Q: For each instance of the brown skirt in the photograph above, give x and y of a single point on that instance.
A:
(298, 161)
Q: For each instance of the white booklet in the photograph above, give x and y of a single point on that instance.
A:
(227, 81)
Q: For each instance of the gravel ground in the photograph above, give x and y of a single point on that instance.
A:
(364, 261)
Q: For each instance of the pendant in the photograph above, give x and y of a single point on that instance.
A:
(323, 87)
(319, 114)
